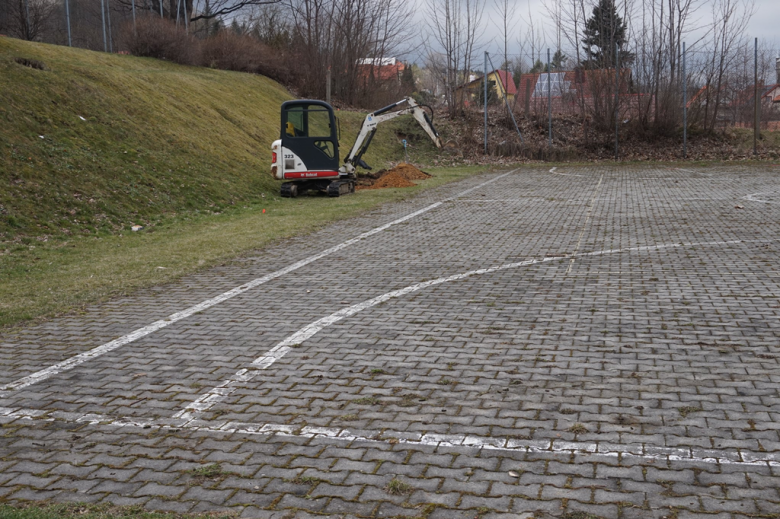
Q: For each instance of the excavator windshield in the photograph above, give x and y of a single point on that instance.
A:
(309, 131)
(308, 121)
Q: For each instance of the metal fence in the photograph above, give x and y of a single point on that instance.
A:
(625, 97)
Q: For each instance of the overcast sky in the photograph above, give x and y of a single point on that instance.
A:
(765, 25)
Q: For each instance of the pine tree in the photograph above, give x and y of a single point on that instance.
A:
(538, 67)
(559, 60)
(602, 31)
(492, 96)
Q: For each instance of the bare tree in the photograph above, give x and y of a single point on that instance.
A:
(26, 19)
(454, 26)
(729, 20)
(506, 13)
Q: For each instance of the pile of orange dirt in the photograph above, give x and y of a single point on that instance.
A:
(399, 176)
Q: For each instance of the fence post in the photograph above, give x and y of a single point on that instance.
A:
(485, 81)
(506, 102)
(549, 101)
(67, 21)
(756, 100)
(103, 16)
(527, 98)
(27, 20)
(327, 86)
(685, 105)
(617, 98)
(110, 36)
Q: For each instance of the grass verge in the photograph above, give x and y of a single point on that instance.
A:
(46, 279)
(91, 511)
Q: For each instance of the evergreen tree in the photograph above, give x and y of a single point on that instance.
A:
(603, 30)
(559, 60)
(491, 93)
(407, 80)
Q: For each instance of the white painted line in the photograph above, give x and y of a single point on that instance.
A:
(496, 444)
(219, 393)
(552, 170)
(752, 198)
(146, 330)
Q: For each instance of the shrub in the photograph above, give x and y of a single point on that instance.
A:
(230, 51)
(161, 39)
(243, 53)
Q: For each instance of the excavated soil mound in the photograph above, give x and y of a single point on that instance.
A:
(390, 180)
(399, 176)
(409, 172)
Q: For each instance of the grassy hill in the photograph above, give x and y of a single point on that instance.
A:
(96, 142)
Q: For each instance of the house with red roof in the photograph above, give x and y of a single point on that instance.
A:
(502, 82)
(381, 69)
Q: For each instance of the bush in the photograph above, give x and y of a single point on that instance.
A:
(161, 39)
(230, 51)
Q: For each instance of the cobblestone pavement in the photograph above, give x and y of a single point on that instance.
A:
(582, 342)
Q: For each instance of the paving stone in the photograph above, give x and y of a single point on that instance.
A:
(648, 315)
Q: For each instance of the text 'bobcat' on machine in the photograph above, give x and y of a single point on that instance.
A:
(307, 155)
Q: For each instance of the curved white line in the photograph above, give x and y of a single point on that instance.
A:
(751, 198)
(157, 325)
(222, 391)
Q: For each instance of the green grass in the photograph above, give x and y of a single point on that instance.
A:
(183, 151)
(91, 511)
(45, 279)
(98, 142)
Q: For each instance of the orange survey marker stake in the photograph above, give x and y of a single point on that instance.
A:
(263, 211)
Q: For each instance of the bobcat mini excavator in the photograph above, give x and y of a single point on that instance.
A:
(306, 156)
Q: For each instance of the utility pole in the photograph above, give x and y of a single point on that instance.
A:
(617, 98)
(685, 105)
(549, 101)
(110, 36)
(103, 15)
(27, 20)
(327, 86)
(67, 21)
(484, 80)
(756, 121)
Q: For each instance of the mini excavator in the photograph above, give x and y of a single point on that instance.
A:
(306, 156)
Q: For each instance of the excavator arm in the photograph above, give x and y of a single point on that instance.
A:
(367, 131)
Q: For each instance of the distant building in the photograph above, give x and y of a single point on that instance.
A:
(569, 83)
(502, 81)
(381, 69)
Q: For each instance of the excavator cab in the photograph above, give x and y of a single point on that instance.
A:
(310, 140)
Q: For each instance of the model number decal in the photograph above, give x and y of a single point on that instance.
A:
(289, 156)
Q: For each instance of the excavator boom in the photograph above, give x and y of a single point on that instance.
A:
(369, 127)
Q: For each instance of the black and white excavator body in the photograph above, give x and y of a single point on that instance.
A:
(306, 156)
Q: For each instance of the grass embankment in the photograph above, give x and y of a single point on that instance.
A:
(95, 143)
(92, 511)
